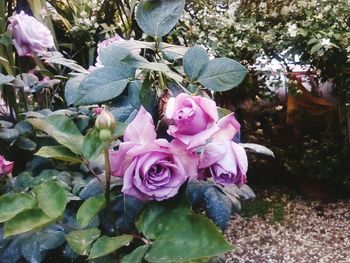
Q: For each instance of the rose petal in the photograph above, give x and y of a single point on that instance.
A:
(229, 126)
(141, 129)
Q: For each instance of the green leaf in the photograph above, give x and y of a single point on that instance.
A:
(52, 198)
(223, 112)
(174, 229)
(148, 96)
(25, 221)
(8, 134)
(194, 60)
(195, 232)
(221, 74)
(106, 245)
(125, 108)
(315, 48)
(138, 62)
(103, 84)
(112, 55)
(59, 153)
(80, 241)
(62, 129)
(133, 45)
(92, 145)
(258, 148)
(136, 255)
(150, 221)
(72, 85)
(13, 204)
(26, 144)
(90, 209)
(4, 79)
(175, 49)
(120, 129)
(69, 63)
(157, 18)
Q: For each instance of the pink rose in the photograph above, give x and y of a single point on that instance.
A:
(192, 119)
(29, 35)
(153, 169)
(226, 160)
(5, 166)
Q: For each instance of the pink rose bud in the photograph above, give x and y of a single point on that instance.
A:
(6, 167)
(105, 122)
(29, 35)
(223, 159)
(97, 110)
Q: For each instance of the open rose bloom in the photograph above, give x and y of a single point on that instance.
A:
(155, 169)
(6, 167)
(29, 35)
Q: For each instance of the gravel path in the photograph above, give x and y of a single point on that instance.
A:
(292, 230)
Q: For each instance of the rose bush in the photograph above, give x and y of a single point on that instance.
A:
(29, 35)
(121, 184)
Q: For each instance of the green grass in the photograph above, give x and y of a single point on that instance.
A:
(272, 210)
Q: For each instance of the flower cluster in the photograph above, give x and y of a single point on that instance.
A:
(6, 167)
(201, 147)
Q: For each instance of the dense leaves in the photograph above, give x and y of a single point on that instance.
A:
(182, 230)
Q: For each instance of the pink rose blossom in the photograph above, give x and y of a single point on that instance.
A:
(226, 160)
(29, 35)
(153, 169)
(192, 119)
(6, 167)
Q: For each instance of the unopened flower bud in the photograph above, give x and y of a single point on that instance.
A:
(105, 135)
(105, 120)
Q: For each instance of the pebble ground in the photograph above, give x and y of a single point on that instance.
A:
(310, 232)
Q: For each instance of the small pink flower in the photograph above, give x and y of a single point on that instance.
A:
(192, 119)
(6, 167)
(29, 35)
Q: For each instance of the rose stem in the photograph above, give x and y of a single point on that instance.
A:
(108, 187)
